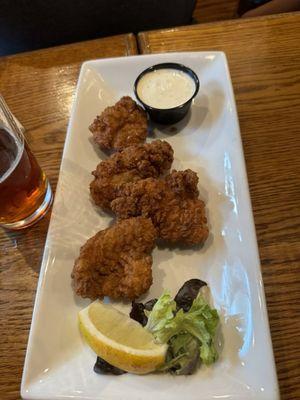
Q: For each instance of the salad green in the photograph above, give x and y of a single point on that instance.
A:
(189, 334)
(187, 323)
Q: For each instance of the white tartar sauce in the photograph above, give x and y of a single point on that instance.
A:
(165, 88)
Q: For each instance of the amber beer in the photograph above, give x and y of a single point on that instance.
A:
(25, 194)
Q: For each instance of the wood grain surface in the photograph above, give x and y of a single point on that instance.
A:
(39, 88)
(215, 10)
(264, 60)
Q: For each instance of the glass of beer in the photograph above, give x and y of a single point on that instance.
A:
(25, 193)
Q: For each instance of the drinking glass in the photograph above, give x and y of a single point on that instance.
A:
(25, 193)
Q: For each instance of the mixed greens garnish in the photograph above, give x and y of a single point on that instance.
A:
(186, 323)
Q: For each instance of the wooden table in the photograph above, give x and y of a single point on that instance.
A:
(39, 88)
(264, 60)
(215, 10)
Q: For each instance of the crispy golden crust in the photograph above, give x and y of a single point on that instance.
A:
(183, 183)
(129, 165)
(120, 126)
(116, 262)
(172, 204)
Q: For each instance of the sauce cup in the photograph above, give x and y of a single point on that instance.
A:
(176, 112)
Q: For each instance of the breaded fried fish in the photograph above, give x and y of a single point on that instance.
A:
(120, 126)
(129, 165)
(172, 204)
(116, 262)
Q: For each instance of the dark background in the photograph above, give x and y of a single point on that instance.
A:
(32, 24)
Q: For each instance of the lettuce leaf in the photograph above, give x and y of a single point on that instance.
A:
(183, 355)
(161, 313)
(201, 322)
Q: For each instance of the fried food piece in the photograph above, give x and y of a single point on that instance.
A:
(171, 203)
(120, 126)
(129, 165)
(184, 184)
(116, 262)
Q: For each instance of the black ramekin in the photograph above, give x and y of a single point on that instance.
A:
(168, 115)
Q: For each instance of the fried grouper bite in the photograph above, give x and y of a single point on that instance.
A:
(116, 262)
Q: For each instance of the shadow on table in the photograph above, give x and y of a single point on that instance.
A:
(28, 244)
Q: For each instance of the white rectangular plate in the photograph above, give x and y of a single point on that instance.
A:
(59, 364)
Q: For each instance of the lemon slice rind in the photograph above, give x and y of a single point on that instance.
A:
(138, 361)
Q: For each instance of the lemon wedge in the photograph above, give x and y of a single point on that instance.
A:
(120, 340)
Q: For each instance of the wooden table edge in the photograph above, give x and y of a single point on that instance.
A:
(130, 41)
(144, 46)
